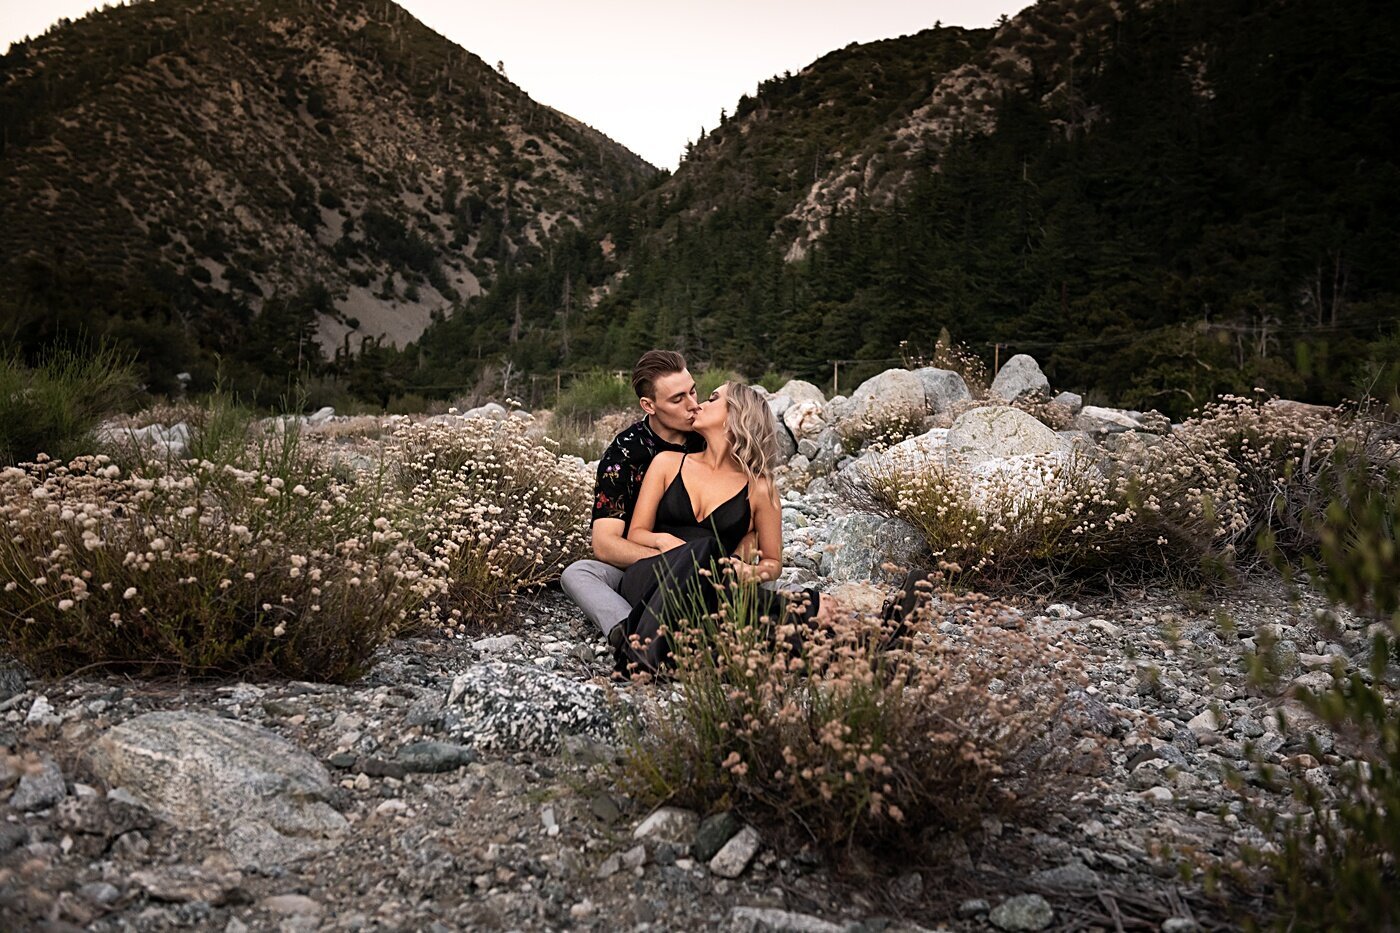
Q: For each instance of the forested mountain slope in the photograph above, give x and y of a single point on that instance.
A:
(1160, 200)
(250, 177)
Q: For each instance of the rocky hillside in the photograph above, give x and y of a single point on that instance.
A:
(182, 166)
(1163, 202)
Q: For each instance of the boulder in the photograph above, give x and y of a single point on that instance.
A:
(895, 396)
(861, 543)
(800, 391)
(804, 419)
(1071, 401)
(1097, 420)
(778, 404)
(942, 388)
(492, 410)
(994, 432)
(320, 416)
(1019, 375)
(912, 454)
(266, 797)
(520, 707)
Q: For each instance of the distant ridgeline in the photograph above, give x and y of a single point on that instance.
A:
(1160, 201)
(274, 181)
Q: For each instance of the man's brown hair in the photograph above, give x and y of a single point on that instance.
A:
(653, 365)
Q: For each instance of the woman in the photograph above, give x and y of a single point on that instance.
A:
(696, 509)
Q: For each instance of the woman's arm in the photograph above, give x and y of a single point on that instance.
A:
(658, 476)
(768, 530)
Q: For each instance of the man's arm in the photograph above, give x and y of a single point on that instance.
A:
(611, 547)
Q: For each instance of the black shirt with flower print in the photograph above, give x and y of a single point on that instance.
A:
(624, 464)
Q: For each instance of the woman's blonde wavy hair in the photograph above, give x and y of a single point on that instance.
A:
(753, 442)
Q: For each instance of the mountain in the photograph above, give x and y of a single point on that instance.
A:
(1160, 200)
(245, 177)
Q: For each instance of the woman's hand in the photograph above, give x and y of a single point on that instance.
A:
(665, 542)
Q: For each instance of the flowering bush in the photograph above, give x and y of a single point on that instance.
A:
(497, 510)
(265, 565)
(854, 743)
(1204, 495)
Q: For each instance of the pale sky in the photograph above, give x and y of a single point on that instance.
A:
(648, 73)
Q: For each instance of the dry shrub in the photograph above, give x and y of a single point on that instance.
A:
(878, 431)
(268, 564)
(854, 744)
(1201, 499)
(588, 438)
(498, 510)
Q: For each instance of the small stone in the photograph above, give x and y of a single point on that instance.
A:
(731, 860)
(772, 920)
(713, 833)
(1205, 721)
(41, 713)
(610, 866)
(669, 824)
(635, 857)
(496, 644)
(12, 836)
(582, 910)
(605, 808)
(100, 893)
(1023, 912)
(392, 807)
(973, 907)
(342, 761)
(1179, 925)
(40, 787)
(1157, 795)
(1070, 875)
(292, 905)
(435, 757)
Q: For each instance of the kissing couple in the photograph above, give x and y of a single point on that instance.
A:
(684, 494)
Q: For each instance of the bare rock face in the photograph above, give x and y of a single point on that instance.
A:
(1019, 375)
(997, 432)
(1098, 420)
(266, 797)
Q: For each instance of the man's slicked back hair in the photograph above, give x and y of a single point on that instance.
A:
(653, 365)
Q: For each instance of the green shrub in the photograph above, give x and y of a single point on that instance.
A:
(259, 562)
(1333, 863)
(595, 394)
(53, 408)
(847, 743)
(706, 381)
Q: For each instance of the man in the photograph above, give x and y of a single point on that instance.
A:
(666, 393)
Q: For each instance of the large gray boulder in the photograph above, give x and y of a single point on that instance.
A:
(943, 388)
(861, 543)
(895, 396)
(267, 798)
(1019, 375)
(999, 431)
(912, 455)
(800, 391)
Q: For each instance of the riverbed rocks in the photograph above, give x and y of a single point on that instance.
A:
(268, 800)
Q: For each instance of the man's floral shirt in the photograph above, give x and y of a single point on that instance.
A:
(624, 464)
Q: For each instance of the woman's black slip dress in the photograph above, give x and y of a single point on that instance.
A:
(663, 588)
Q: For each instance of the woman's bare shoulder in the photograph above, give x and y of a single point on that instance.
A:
(666, 462)
(761, 490)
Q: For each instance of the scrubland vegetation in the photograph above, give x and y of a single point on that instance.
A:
(266, 549)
